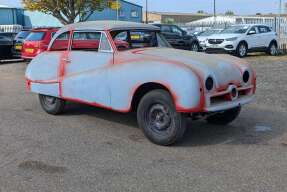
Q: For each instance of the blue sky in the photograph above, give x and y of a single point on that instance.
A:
(238, 6)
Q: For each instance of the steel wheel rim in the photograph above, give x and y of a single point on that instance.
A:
(273, 50)
(49, 101)
(194, 47)
(159, 118)
(242, 50)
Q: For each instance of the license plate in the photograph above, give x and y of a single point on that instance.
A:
(29, 50)
(135, 37)
(18, 47)
(214, 46)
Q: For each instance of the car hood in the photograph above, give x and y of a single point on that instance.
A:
(224, 69)
(202, 38)
(223, 36)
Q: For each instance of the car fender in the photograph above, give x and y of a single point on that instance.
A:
(182, 83)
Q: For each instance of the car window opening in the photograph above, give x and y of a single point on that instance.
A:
(134, 39)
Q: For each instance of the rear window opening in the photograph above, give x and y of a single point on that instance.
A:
(22, 34)
(36, 36)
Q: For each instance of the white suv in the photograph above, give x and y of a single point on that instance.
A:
(241, 39)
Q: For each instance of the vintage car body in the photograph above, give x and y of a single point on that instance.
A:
(117, 79)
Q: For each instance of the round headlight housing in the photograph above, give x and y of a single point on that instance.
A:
(209, 84)
(246, 76)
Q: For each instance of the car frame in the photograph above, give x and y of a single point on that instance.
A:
(163, 85)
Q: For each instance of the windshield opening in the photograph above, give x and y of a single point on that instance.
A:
(35, 36)
(22, 34)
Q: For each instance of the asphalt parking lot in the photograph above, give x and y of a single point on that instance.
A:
(91, 149)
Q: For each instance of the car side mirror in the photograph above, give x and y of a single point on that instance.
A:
(251, 32)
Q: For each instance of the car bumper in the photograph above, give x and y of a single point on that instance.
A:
(226, 46)
(230, 104)
(217, 101)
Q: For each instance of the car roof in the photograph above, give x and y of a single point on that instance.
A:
(108, 25)
(251, 25)
(44, 29)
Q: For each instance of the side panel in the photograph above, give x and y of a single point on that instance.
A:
(126, 77)
(85, 77)
(51, 89)
(44, 67)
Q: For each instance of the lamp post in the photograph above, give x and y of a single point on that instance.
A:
(117, 10)
(279, 16)
(146, 11)
(214, 11)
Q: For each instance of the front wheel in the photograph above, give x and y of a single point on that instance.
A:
(225, 117)
(242, 50)
(158, 118)
(52, 105)
(194, 47)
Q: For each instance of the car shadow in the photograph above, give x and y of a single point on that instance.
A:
(199, 133)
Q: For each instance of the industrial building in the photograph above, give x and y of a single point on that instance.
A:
(10, 15)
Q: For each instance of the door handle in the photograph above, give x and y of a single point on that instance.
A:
(67, 60)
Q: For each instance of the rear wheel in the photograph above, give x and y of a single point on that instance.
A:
(225, 117)
(242, 50)
(158, 118)
(273, 49)
(52, 105)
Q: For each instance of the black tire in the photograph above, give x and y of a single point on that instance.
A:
(225, 117)
(273, 49)
(239, 50)
(52, 105)
(194, 47)
(158, 118)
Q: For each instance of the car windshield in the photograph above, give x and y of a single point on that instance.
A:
(35, 36)
(236, 29)
(22, 34)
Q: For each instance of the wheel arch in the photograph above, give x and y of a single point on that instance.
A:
(245, 42)
(145, 88)
(273, 41)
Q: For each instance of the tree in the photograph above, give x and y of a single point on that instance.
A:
(200, 12)
(68, 11)
(229, 13)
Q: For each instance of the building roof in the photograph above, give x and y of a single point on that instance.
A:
(132, 3)
(108, 25)
(178, 13)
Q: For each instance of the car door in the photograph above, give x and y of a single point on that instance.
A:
(253, 38)
(265, 35)
(85, 77)
(178, 37)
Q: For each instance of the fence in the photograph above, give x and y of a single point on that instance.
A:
(10, 28)
(278, 24)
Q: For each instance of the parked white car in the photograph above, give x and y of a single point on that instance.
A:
(241, 39)
(203, 36)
